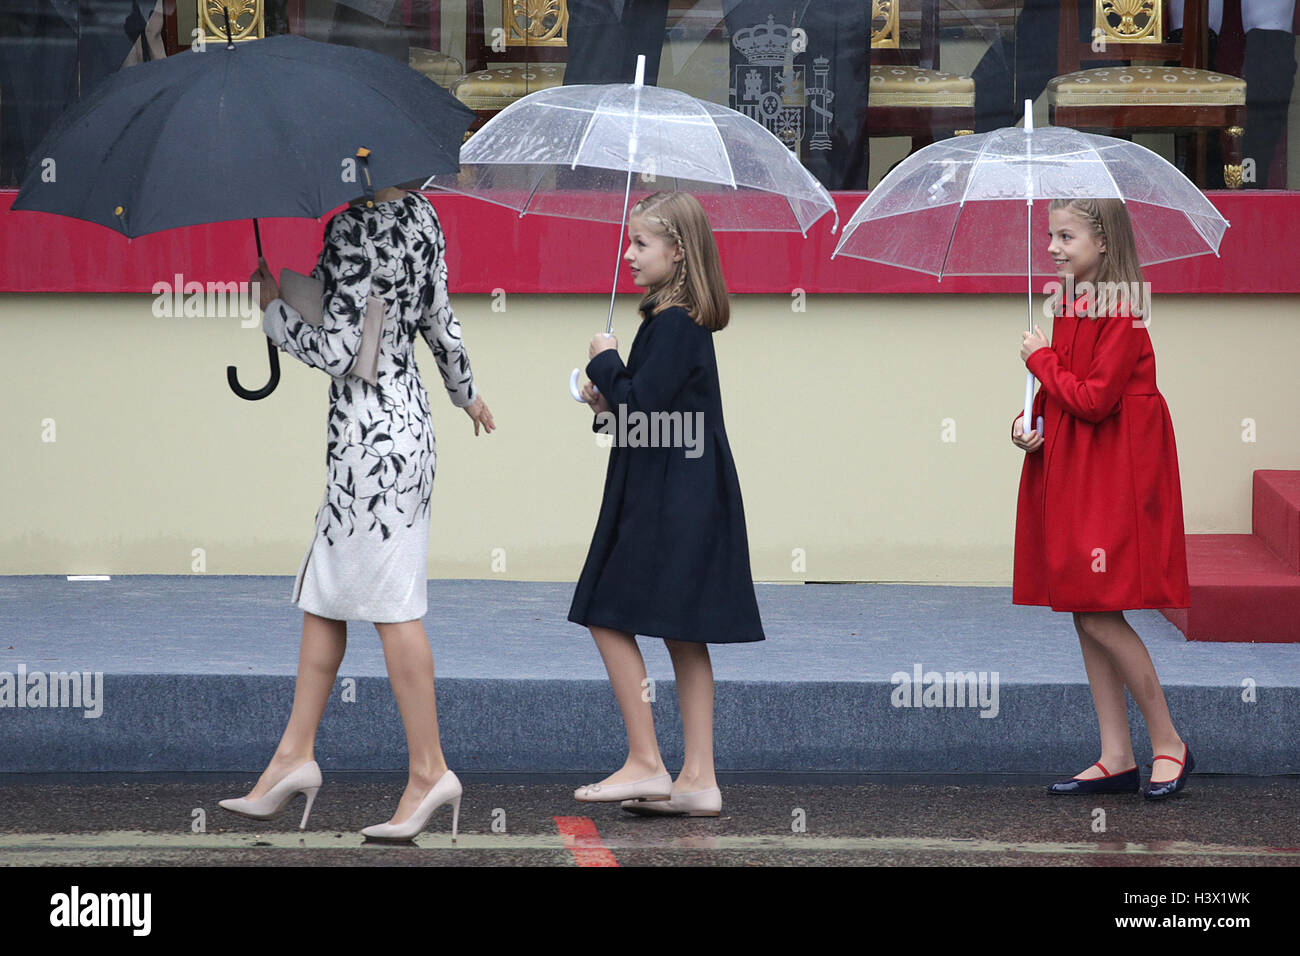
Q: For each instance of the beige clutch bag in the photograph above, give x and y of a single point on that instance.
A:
(306, 295)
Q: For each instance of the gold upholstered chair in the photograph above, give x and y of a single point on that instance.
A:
(909, 94)
(1147, 96)
(527, 55)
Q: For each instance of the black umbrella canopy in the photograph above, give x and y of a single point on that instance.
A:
(256, 129)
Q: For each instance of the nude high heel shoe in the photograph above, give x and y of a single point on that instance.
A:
(446, 790)
(303, 779)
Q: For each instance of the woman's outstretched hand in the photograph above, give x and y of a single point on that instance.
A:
(595, 399)
(267, 287)
(1032, 443)
(479, 412)
(600, 342)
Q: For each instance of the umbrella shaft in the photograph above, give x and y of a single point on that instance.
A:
(622, 227)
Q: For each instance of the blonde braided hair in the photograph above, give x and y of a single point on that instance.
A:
(696, 284)
(1109, 223)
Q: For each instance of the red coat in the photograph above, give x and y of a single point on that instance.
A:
(1099, 522)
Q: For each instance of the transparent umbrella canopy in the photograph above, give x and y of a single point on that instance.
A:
(572, 152)
(950, 208)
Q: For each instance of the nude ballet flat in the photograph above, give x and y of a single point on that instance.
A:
(698, 803)
(446, 790)
(303, 779)
(651, 788)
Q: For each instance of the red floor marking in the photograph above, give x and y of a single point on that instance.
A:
(583, 841)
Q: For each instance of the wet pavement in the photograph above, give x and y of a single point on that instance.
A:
(174, 820)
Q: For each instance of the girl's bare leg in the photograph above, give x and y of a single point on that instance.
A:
(694, 673)
(1129, 658)
(626, 668)
(409, 660)
(323, 643)
(1111, 705)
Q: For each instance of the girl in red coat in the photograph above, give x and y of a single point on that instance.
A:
(1099, 522)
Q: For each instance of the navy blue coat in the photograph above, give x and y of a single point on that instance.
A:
(669, 557)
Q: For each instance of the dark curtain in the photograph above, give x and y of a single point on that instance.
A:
(51, 53)
(605, 37)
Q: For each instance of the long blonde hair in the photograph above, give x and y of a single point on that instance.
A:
(696, 283)
(1108, 221)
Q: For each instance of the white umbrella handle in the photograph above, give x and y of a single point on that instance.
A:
(1029, 267)
(577, 392)
(573, 384)
(1029, 401)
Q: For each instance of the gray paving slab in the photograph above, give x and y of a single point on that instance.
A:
(197, 675)
(517, 630)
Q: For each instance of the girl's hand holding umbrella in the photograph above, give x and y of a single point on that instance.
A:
(598, 402)
(1031, 342)
(1032, 443)
(600, 342)
(589, 393)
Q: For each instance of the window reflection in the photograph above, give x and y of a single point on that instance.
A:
(850, 87)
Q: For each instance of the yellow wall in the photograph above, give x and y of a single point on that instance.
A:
(835, 417)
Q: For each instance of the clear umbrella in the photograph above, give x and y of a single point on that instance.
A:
(571, 151)
(945, 209)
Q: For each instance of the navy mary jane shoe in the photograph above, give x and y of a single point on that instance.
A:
(1159, 791)
(1126, 782)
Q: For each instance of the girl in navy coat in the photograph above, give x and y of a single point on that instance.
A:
(669, 557)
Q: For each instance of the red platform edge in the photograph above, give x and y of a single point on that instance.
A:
(1275, 514)
(1246, 587)
(493, 249)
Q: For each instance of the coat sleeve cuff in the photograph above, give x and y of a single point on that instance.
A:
(273, 321)
(602, 369)
(1037, 357)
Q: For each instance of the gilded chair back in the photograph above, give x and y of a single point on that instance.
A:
(1129, 21)
(534, 23)
(247, 19)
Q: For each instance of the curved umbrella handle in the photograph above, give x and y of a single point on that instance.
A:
(577, 392)
(253, 395)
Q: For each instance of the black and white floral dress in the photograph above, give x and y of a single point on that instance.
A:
(369, 554)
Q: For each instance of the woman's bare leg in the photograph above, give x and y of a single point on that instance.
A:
(1112, 707)
(1129, 658)
(323, 643)
(694, 673)
(410, 670)
(626, 669)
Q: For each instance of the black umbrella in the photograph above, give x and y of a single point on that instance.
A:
(261, 128)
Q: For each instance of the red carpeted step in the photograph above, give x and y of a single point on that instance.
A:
(1240, 591)
(1275, 515)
